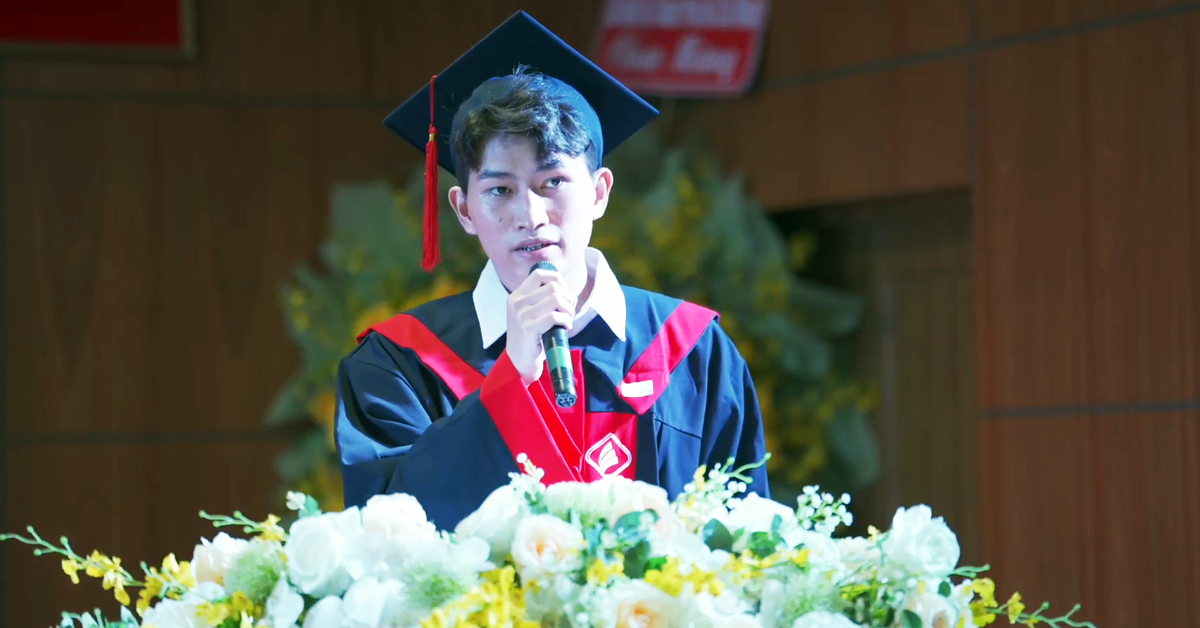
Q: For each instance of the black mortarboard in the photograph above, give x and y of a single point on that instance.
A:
(612, 113)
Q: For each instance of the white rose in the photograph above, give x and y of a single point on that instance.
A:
(373, 603)
(690, 549)
(821, 619)
(397, 516)
(204, 592)
(284, 606)
(824, 554)
(920, 544)
(934, 610)
(329, 612)
(755, 513)
(723, 611)
(211, 559)
(642, 605)
(173, 614)
(858, 552)
(315, 549)
(545, 545)
(495, 521)
(639, 497)
(774, 599)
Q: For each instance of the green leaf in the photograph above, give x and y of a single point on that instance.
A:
(634, 526)
(761, 544)
(944, 589)
(636, 559)
(716, 536)
(656, 564)
(911, 619)
(852, 442)
(289, 405)
(303, 458)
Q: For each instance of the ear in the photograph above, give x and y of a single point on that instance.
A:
(604, 184)
(458, 200)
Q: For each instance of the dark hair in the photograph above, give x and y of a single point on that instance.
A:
(529, 109)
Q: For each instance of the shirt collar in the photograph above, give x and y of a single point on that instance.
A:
(607, 300)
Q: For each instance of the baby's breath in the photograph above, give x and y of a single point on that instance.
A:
(820, 512)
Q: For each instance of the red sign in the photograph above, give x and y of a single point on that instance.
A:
(139, 28)
(683, 47)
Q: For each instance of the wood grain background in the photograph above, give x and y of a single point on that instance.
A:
(150, 211)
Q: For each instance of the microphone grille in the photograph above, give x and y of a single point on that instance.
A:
(543, 265)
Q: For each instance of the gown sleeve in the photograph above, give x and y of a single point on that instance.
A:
(399, 432)
(734, 423)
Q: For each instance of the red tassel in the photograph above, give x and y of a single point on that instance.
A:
(432, 254)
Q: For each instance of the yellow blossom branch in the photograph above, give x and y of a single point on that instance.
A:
(113, 576)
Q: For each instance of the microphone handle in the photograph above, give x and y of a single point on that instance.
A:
(558, 360)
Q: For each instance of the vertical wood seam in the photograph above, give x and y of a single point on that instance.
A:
(4, 303)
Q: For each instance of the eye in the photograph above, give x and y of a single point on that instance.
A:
(499, 190)
(555, 182)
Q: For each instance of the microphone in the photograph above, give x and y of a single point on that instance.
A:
(558, 356)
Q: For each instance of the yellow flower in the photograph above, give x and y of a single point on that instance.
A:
(323, 409)
(602, 573)
(372, 316)
(1015, 608)
(271, 530)
(986, 590)
(71, 567)
(152, 590)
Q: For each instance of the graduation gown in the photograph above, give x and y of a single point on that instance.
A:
(425, 409)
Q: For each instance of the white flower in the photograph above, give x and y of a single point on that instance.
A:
(173, 614)
(204, 592)
(934, 610)
(774, 600)
(824, 554)
(296, 501)
(545, 545)
(632, 496)
(639, 604)
(328, 613)
(755, 513)
(822, 619)
(397, 516)
(315, 549)
(590, 500)
(727, 610)
(211, 559)
(920, 544)
(690, 549)
(495, 521)
(374, 603)
(285, 605)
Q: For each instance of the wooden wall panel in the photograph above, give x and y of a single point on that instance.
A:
(1008, 18)
(123, 499)
(1139, 221)
(809, 35)
(866, 136)
(381, 50)
(1192, 372)
(1099, 510)
(148, 250)
(1029, 199)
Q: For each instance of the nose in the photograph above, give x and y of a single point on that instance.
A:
(531, 212)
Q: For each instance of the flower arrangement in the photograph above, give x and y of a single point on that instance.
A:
(611, 554)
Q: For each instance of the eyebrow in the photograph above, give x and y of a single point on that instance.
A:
(549, 164)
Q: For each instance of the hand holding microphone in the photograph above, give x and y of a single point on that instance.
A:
(540, 312)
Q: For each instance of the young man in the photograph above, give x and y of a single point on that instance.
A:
(440, 402)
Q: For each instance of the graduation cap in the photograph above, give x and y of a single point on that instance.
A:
(611, 112)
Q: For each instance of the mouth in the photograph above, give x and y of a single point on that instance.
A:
(533, 245)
